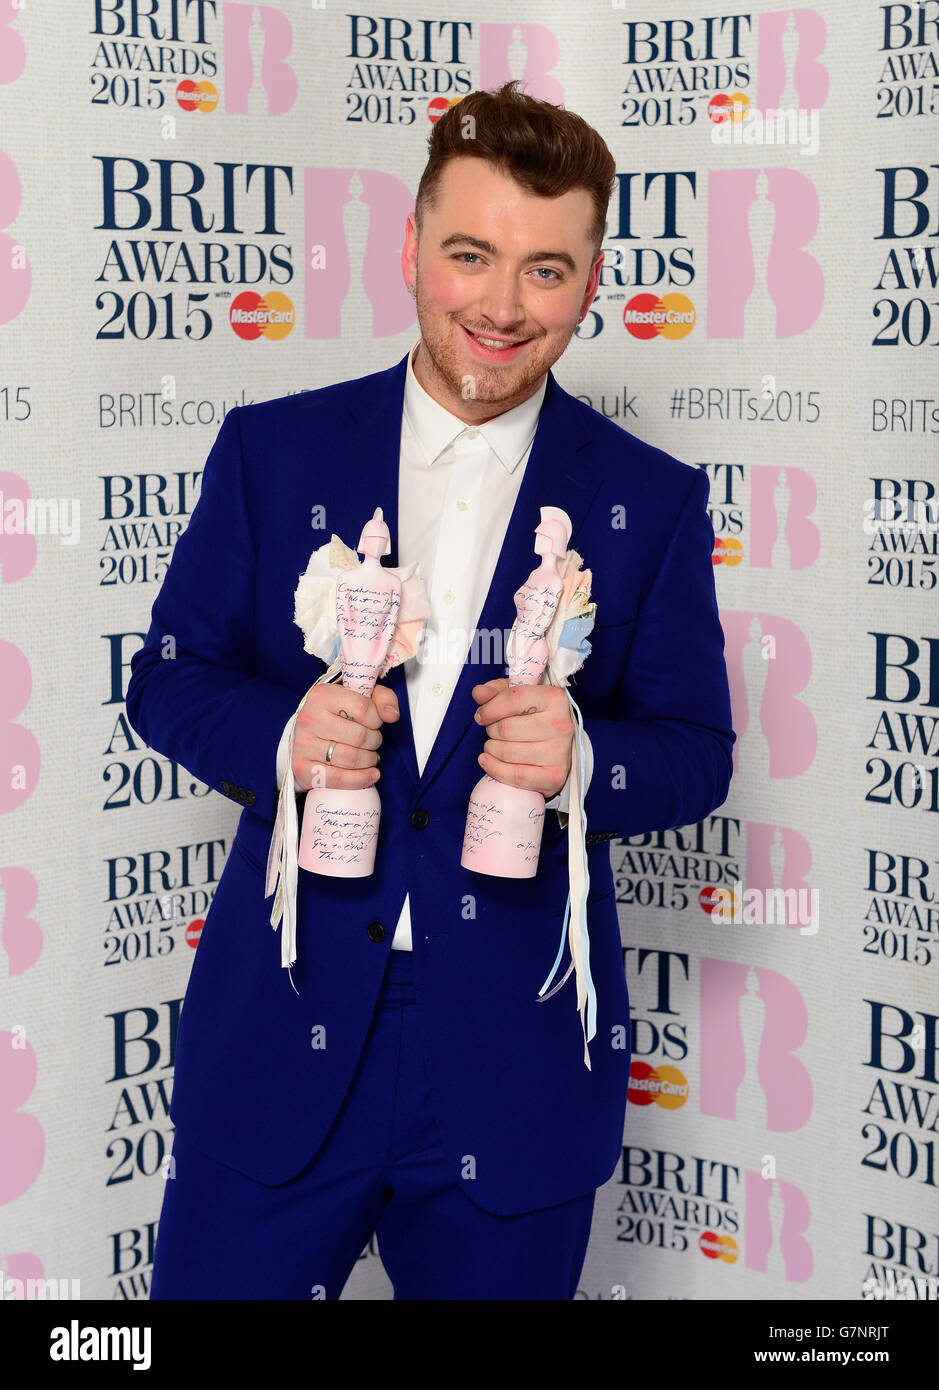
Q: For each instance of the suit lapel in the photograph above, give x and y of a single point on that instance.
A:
(559, 473)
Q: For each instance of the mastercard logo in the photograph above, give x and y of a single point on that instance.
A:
(197, 96)
(717, 1247)
(648, 316)
(194, 931)
(665, 1086)
(728, 106)
(727, 551)
(255, 316)
(723, 901)
(439, 106)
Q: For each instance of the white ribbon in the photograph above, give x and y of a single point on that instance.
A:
(282, 868)
(575, 911)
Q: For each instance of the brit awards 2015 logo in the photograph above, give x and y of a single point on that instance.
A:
(907, 85)
(209, 227)
(679, 1202)
(143, 516)
(910, 271)
(158, 899)
(905, 763)
(143, 1051)
(902, 518)
(903, 1106)
(680, 70)
(148, 58)
(901, 920)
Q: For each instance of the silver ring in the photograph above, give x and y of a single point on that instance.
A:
(329, 752)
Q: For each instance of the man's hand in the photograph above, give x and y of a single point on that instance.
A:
(349, 719)
(531, 734)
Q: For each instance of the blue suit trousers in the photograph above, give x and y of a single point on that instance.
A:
(381, 1170)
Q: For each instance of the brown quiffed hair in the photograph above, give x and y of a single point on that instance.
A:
(545, 148)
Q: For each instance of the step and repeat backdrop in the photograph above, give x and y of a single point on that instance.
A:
(768, 312)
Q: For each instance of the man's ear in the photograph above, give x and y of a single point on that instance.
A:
(593, 280)
(409, 249)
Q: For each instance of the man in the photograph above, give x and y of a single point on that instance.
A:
(412, 1083)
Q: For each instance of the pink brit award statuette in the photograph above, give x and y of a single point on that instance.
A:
(359, 619)
(339, 834)
(503, 828)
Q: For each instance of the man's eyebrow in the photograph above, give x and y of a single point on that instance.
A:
(487, 246)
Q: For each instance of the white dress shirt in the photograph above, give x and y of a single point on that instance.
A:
(457, 486)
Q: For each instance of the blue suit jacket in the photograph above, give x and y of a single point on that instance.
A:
(507, 1073)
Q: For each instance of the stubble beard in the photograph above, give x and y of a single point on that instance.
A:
(449, 365)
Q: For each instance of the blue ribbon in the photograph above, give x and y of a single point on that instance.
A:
(573, 634)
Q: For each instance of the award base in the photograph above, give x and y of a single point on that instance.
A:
(339, 833)
(503, 830)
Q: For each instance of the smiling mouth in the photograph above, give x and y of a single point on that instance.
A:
(493, 343)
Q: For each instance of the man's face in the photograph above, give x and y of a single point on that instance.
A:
(497, 263)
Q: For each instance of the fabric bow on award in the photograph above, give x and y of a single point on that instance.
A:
(547, 644)
(361, 619)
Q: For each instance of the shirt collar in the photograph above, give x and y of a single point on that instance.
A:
(435, 428)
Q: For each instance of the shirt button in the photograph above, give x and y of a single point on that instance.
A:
(376, 932)
(437, 688)
(462, 503)
(471, 434)
(449, 596)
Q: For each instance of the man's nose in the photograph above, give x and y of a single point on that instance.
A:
(500, 301)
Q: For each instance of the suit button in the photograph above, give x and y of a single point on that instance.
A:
(419, 818)
(376, 932)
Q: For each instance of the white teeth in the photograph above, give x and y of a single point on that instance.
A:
(492, 342)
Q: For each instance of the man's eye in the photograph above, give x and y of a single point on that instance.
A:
(472, 258)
